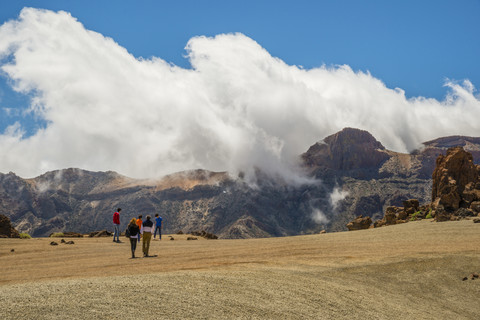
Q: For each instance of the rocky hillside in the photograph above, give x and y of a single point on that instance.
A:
(358, 177)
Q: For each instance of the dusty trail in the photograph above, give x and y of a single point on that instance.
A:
(409, 271)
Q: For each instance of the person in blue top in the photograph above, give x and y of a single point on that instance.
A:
(158, 226)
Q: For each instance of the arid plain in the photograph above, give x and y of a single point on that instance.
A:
(407, 271)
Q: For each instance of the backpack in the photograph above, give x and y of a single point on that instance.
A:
(127, 232)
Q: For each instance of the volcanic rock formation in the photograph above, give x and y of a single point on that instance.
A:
(456, 180)
(6, 228)
(359, 223)
(455, 192)
(349, 149)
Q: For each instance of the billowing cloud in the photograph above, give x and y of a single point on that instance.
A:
(336, 196)
(237, 108)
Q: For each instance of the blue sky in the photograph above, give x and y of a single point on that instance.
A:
(413, 45)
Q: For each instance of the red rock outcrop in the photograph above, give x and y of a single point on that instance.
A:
(455, 180)
(359, 223)
(455, 192)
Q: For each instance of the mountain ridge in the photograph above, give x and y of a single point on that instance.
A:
(364, 174)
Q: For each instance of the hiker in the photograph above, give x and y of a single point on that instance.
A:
(158, 226)
(147, 228)
(134, 231)
(116, 225)
(139, 224)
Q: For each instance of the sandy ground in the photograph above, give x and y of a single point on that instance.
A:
(408, 271)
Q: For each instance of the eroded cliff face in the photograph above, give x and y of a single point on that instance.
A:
(353, 174)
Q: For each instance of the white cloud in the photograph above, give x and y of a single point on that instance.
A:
(336, 196)
(238, 108)
(319, 217)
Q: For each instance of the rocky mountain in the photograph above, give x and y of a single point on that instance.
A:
(354, 174)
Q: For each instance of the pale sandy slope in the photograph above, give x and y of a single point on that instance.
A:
(409, 271)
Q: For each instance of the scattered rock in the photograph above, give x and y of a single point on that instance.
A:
(72, 235)
(390, 216)
(441, 214)
(359, 223)
(6, 228)
(192, 238)
(53, 243)
(475, 206)
(474, 276)
(463, 212)
(103, 233)
(379, 223)
(204, 234)
(465, 278)
(396, 215)
(412, 204)
(401, 214)
(13, 250)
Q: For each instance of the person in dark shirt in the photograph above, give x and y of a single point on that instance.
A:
(134, 231)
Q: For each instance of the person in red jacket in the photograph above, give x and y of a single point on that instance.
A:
(116, 225)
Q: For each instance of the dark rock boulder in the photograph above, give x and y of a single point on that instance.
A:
(204, 234)
(441, 214)
(103, 233)
(72, 235)
(6, 228)
(463, 213)
(475, 206)
(411, 204)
